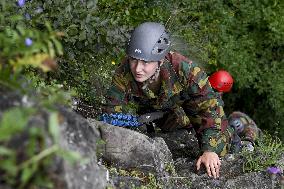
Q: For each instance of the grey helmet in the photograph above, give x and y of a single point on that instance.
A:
(237, 124)
(149, 42)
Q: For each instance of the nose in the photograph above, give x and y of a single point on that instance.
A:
(139, 66)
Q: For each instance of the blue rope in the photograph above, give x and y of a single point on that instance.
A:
(120, 119)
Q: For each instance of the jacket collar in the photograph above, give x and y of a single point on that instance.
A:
(170, 85)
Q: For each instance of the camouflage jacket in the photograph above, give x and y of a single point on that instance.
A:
(185, 90)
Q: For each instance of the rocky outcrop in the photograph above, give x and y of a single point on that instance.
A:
(131, 159)
(231, 175)
(182, 143)
(129, 149)
(75, 134)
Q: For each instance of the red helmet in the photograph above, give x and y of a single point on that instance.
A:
(221, 81)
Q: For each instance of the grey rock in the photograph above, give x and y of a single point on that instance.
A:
(256, 180)
(127, 149)
(182, 143)
(231, 176)
(77, 135)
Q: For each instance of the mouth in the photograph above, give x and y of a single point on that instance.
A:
(138, 75)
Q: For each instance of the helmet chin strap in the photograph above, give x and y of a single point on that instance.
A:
(155, 76)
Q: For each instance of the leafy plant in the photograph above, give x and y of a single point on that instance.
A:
(268, 152)
(26, 55)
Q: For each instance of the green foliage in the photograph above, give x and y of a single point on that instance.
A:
(95, 34)
(47, 94)
(19, 53)
(28, 166)
(24, 47)
(268, 152)
(27, 53)
(170, 168)
(10, 126)
(245, 38)
(152, 183)
(249, 44)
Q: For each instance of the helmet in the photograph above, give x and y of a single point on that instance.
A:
(149, 42)
(221, 81)
(237, 124)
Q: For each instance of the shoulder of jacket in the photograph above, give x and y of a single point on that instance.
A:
(176, 59)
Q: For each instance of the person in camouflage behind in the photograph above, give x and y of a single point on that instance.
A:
(153, 79)
(246, 132)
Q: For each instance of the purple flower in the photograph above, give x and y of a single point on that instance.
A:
(274, 170)
(21, 3)
(28, 41)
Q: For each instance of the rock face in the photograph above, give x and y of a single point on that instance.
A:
(182, 143)
(79, 136)
(129, 149)
(126, 149)
(231, 175)
(75, 134)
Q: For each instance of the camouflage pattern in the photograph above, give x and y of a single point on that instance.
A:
(185, 93)
(249, 130)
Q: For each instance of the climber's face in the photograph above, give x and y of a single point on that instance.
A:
(142, 70)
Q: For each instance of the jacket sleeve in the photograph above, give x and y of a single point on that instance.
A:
(205, 110)
(117, 98)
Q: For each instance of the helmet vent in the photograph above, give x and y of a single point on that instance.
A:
(163, 41)
(153, 41)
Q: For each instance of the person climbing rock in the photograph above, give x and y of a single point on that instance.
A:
(152, 78)
(246, 131)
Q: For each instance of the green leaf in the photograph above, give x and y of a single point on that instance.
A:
(6, 151)
(127, 12)
(48, 26)
(51, 50)
(9, 165)
(82, 35)
(53, 126)
(10, 126)
(57, 45)
(27, 173)
(72, 156)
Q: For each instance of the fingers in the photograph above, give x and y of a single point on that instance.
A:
(209, 170)
(198, 164)
(218, 166)
(211, 162)
(215, 169)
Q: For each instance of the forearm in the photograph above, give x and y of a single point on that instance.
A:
(213, 140)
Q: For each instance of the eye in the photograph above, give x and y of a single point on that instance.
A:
(132, 60)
